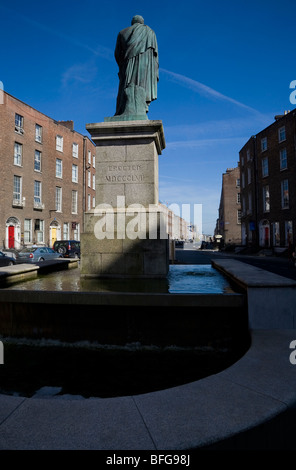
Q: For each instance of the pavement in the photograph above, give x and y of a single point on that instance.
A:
(249, 406)
(277, 264)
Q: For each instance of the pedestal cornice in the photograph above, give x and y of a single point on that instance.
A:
(126, 130)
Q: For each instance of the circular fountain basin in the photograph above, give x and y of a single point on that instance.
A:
(111, 337)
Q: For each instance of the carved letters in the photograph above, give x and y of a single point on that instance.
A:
(124, 173)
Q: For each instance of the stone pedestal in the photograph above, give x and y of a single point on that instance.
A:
(125, 235)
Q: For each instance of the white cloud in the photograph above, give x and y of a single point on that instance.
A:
(81, 73)
(203, 142)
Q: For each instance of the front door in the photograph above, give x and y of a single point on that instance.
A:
(53, 235)
(266, 236)
(11, 236)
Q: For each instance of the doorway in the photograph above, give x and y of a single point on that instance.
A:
(11, 236)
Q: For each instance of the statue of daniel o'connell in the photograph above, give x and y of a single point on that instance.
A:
(136, 54)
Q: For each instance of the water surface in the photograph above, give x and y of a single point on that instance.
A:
(187, 279)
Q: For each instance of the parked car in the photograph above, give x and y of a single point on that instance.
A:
(32, 255)
(6, 260)
(206, 245)
(67, 248)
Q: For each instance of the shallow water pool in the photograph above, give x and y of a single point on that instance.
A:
(198, 278)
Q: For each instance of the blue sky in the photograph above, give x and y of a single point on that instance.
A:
(225, 71)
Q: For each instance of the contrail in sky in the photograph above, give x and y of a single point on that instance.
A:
(204, 89)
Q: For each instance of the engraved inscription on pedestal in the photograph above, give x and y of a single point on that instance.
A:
(124, 173)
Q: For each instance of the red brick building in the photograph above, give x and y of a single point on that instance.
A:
(229, 220)
(47, 173)
(268, 185)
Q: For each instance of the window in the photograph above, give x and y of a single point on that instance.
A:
(27, 231)
(285, 194)
(243, 179)
(38, 133)
(283, 159)
(276, 234)
(94, 181)
(94, 161)
(238, 198)
(74, 173)
(250, 202)
(37, 194)
(88, 202)
(239, 216)
(18, 154)
(89, 157)
(282, 134)
(58, 199)
(263, 144)
(238, 183)
(248, 154)
(94, 202)
(266, 201)
(59, 143)
(19, 124)
(39, 229)
(76, 232)
(59, 168)
(288, 232)
(249, 175)
(17, 190)
(75, 150)
(243, 205)
(37, 161)
(66, 231)
(264, 167)
(74, 202)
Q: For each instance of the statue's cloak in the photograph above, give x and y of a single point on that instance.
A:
(136, 54)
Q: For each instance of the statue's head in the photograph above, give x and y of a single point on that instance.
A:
(138, 19)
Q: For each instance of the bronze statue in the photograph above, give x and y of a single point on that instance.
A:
(136, 54)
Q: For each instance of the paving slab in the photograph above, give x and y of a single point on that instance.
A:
(203, 412)
(8, 404)
(266, 367)
(92, 424)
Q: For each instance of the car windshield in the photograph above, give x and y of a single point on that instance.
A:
(28, 250)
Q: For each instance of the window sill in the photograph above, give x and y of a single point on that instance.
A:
(17, 205)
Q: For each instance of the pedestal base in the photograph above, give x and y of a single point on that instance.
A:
(125, 235)
(122, 243)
